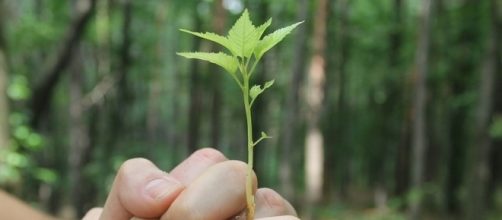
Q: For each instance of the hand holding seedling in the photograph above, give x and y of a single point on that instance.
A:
(204, 186)
(247, 47)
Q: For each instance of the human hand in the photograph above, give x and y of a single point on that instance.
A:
(204, 186)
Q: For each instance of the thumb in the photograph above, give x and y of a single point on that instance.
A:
(140, 189)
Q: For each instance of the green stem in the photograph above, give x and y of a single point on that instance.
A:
(249, 179)
(253, 67)
(259, 140)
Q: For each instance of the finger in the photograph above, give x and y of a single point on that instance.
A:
(286, 217)
(93, 214)
(191, 168)
(269, 203)
(140, 189)
(218, 193)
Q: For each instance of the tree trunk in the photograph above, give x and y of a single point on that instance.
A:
(52, 71)
(123, 98)
(4, 101)
(314, 143)
(479, 171)
(154, 97)
(78, 131)
(496, 156)
(419, 137)
(219, 19)
(395, 44)
(78, 135)
(467, 36)
(291, 115)
(341, 123)
(194, 111)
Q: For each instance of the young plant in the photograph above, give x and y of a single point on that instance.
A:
(246, 46)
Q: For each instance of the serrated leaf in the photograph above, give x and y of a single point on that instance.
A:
(244, 36)
(261, 29)
(254, 91)
(272, 39)
(221, 40)
(224, 60)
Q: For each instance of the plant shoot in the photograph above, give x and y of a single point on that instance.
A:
(246, 47)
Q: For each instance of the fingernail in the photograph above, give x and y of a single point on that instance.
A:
(162, 187)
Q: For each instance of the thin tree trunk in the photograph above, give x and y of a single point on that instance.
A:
(125, 55)
(153, 115)
(419, 138)
(78, 131)
(314, 144)
(402, 168)
(403, 155)
(78, 135)
(466, 37)
(496, 155)
(125, 61)
(342, 123)
(194, 111)
(220, 15)
(479, 172)
(4, 102)
(290, 120)
(52, 71)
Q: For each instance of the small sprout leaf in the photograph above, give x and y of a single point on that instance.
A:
(268, 84)
(255, 91)
(272, 39)
(228, 62)
(264, 135)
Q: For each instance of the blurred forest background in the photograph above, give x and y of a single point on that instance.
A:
(387, 109)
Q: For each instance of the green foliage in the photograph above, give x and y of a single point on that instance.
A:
(496, 127)
(18, 88)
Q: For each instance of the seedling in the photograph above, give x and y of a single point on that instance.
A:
(246, 46)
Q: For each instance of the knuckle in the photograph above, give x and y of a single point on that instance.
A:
(93, 213)
(130, 165)
(210, 154)
(184, 210)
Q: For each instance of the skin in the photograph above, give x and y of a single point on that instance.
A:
(204, 186)
(13, 208)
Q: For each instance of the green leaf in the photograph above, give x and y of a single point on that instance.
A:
(224, 60)
(254, 91)
(268, 84)
(264, 135)
(221, 40)
(272, 39)
(244, 36)
(261, 29)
